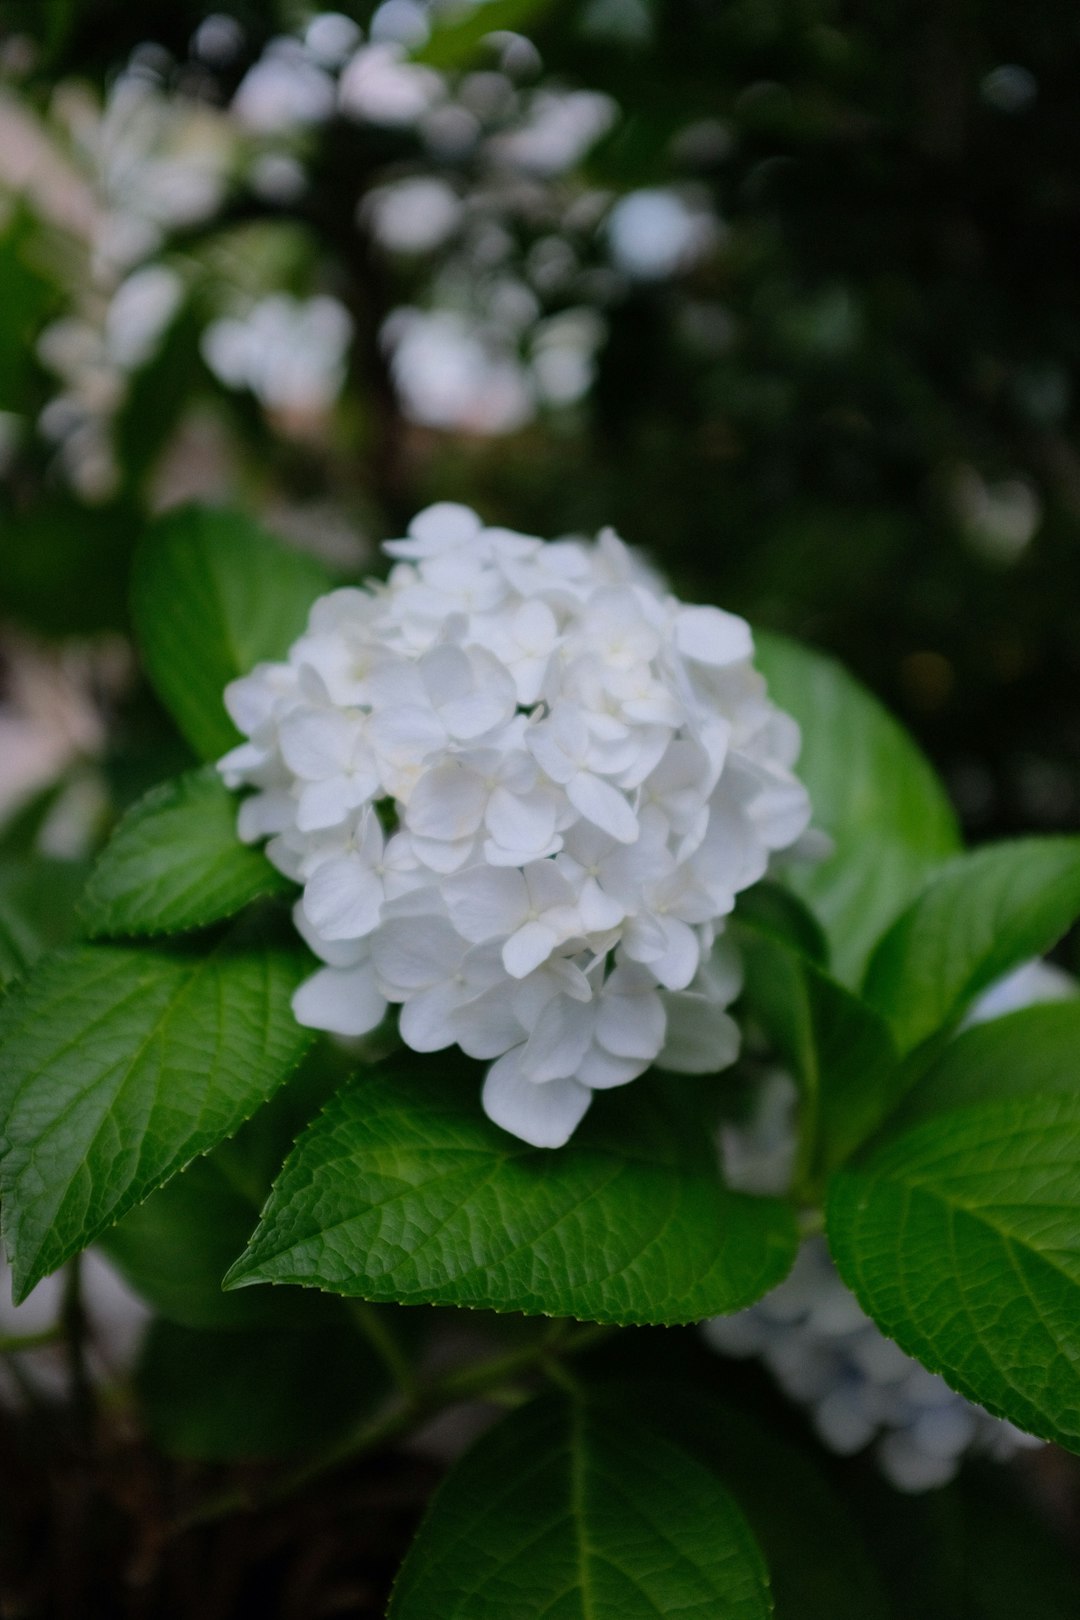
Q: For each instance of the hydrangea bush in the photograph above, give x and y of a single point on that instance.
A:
(514, 828)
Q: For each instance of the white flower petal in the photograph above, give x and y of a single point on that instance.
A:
(444, 858)
(602, 1071)
(544, 1115)
(604, 806)
(426, 1021)
(631, 1026)
(528, 948)
(447, 803)
(343, 1001)
(414, 953)
(711, 636)
(485, 903)
(487, 1026)
(676, 965)
(343, 899)
(325, 804)
(559, 1040)
(315, 745)
(701, 1037)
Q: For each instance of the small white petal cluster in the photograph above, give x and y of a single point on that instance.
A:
(521, 786)
(859, 1386)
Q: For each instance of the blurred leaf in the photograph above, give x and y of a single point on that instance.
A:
(459, 31)
(175, 863)
(119, 1066)
(573, 1508)
(402, 1190)
(987, 913)
(63, 567)
(27, 298)
(213, 595)
(158, 396)
(839, 1049)
(256, 1394)
(1033, 1052)
(37, 909)
(771, 910)
(873, 793)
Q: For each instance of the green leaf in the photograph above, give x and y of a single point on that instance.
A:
(771, 910)
(574, 1510)
(175, 862)
(961, 1238)
(458, 34)
(839, 1050)
(64, 565)
(176, 1246)
(251, 1396)
(402, 1190)
(986, 913)
(819, 1566)
(159, 394)
(213, 593)
(873, 792)
(27, 298)
(1031, 1053)
(117, 1067)
(37, 909)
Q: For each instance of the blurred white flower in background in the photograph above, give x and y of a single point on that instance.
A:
(290, 352)
(823, 1350)
(379, 85)
(403, 22)
(858, 1385)
(138, 313)
(415, 215)
(525, 250)
(557, 130)
(161, 162)
(284, 89)
(114, 1321)
(658, 232)
(452, 374)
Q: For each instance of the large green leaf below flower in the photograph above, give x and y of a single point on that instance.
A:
(402, 1190)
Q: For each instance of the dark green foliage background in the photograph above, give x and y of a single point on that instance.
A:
(899, 285)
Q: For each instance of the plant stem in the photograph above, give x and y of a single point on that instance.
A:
(13, 1344)
(384, 1341)
(73, 1327)
(484, 1379)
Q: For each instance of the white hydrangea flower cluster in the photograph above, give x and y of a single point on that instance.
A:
(521, 786)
